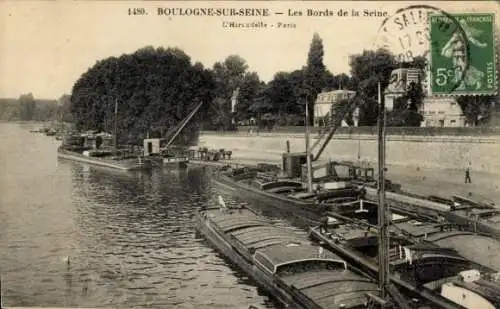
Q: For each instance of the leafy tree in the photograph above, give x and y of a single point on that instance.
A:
(250, 87)
(229, 75)
(314, 73)
(63, 108)
(476, 108)
(27, 106)
(367, 69)
(45, 110)
(153, 90)
(261, 104)
(340, 81)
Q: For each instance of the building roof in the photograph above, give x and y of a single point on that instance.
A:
(338, 91)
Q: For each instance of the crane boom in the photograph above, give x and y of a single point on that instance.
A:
(183, 124)
(339, 116)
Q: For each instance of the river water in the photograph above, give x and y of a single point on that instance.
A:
(129, 237)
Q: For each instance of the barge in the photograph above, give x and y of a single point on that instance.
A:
(286, 190)
(92, 148)
(480, 216)
(110, 161)
(294, 271)
(429, 260)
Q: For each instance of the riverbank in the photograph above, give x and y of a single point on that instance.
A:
(423, 152)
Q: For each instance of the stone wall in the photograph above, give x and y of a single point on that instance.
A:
(444, 152)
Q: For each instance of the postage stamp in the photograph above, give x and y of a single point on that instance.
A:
(462, 61)
(406, 34)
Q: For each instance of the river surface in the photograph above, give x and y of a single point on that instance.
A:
(129, 237)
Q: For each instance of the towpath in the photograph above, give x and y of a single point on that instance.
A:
(424, 181)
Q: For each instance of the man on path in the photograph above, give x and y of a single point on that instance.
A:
(467, 175)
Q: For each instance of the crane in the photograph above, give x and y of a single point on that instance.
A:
(337, 121)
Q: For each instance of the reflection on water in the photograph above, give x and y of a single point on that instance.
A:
(129, 237)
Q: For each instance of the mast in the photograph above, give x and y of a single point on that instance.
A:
(383, 251)
(308, 153)
(115, 127)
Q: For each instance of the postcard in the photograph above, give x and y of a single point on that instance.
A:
(249, 154)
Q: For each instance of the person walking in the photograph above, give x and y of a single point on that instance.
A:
(467, 175)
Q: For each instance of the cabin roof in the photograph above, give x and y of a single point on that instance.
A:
(417, 228)
(264, 236)
(479, 249)
(283, 254)
(235, 219)
(329, 289)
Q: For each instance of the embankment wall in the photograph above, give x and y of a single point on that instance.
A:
(443, 152)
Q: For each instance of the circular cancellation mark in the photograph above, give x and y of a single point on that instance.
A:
(407, 35)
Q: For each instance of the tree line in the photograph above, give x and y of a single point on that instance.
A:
(153, 89)
(28, 108)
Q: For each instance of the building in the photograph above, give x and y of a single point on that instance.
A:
(442, 112)
(324, 107)
(400, 82)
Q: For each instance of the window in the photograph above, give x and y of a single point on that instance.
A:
(453, 121)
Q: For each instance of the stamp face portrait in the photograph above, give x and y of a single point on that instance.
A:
(449, 59)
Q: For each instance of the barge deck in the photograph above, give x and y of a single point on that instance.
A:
(288, 266)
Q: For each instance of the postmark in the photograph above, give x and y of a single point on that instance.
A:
(406, 34)
(448, 65)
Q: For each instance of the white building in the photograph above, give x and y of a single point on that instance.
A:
(325, 104)
(400, 82)
(442, 112)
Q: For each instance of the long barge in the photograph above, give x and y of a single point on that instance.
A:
(428, 264)
(482, 217)
(284, 194)
(296, 272)
(131, 164)
(334, 185)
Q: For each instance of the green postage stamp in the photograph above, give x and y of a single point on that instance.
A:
(462, 54)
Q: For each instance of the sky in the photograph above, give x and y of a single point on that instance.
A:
(45, 46)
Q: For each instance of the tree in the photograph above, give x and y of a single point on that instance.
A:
(314, 73)
(229, 75)
(475, 108)
(64, 108)
(27, 106)
(154, 89)
(249, 89)
(261, 103)
(367, 69)
(340, 81)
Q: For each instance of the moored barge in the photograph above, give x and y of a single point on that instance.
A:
(427, 260)
(480, 216)
(286, 189)
(296, 272)
(91, 148)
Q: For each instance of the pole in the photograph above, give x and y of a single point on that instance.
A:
(359, 147)
(1, 293)
(308, 154)
(115, 128)
(383, 237)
